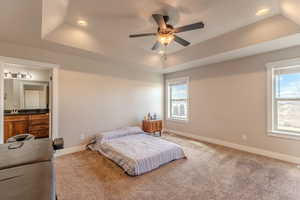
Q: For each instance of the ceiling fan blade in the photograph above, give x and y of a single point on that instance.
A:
(159, 20)
(142, 35)
(181, 41)
(155, 46)
(189, 27)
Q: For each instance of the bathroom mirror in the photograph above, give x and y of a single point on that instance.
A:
(25, 95)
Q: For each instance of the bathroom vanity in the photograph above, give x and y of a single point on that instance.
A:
(36, 124)
(26, 108)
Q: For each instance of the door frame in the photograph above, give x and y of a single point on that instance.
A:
(53, 91)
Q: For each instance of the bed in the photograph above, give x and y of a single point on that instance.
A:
(135, 151)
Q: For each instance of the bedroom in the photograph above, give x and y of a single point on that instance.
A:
(106, 80)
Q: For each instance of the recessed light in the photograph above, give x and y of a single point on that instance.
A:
(82, 23)
(263, 11)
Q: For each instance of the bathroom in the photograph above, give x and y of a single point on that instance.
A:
(26, 101)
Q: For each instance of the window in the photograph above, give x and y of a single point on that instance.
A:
(177, 96)
(284, 101)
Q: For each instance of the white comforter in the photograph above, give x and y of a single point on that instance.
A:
(140, 153)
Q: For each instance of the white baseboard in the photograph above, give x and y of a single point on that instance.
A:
(70, 150)
(270, 154)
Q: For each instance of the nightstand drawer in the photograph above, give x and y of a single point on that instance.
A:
(152, 126)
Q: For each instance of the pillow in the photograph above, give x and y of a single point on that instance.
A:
(102, 137)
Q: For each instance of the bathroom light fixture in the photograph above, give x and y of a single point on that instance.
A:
(7, 75)
(17, 75)
(262, 12)
(20, 76)
(28, 76)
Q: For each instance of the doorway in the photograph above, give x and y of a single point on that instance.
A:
(29, 98)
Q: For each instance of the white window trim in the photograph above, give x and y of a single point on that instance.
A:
(271, 67)
(170, 81)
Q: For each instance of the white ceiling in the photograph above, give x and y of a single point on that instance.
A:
(53, 24)
(115, 20)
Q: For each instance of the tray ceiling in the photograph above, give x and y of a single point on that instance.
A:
(230, 26)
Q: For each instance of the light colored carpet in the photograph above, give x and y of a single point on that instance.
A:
(211, 172)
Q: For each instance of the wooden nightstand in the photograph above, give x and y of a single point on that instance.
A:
(152, 126)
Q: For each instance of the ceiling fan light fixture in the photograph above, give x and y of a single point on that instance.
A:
(165, 39)
(166, 33)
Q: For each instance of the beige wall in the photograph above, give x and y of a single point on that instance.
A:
(228, 100)
(90, 103)
(95, 95)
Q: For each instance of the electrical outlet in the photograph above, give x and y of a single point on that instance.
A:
(82, 136)
(244, 137)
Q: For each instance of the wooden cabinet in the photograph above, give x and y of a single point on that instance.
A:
(15, 125)
(37, 125)
(152, 126)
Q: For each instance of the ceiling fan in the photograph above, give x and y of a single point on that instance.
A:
(166, 32)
